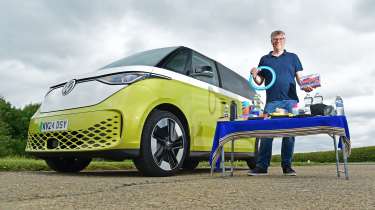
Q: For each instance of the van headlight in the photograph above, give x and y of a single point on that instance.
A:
(123, 78)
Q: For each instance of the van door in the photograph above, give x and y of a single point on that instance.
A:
(205, 104)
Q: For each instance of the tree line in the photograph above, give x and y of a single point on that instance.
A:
(14, 124)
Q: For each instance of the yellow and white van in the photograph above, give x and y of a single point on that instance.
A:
(157, 107)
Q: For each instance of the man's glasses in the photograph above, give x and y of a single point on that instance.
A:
(278, 39)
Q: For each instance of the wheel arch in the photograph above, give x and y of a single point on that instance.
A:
(142, 162)
(179, 114)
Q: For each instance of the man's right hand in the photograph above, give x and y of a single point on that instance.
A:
(254, 72)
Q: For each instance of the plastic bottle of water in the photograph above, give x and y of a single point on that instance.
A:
(318, 99)
(257, 105)
(339, 105)
(254, 112)
(308, 101)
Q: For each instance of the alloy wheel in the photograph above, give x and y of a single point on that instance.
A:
(167, 144)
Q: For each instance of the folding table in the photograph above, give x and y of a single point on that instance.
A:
(229, 131)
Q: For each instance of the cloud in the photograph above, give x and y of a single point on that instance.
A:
(362, 18)
(22, 84)
(49, 33)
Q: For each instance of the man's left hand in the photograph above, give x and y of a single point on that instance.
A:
(308, 89)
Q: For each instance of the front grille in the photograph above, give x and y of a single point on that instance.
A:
(102, 135)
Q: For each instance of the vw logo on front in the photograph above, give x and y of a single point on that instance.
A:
(68, 87)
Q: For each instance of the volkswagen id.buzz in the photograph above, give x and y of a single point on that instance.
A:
(158, 108)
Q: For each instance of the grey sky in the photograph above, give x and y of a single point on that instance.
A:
(45, 41)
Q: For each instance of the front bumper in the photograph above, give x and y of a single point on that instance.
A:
(87, 131)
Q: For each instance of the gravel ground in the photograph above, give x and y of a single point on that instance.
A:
(315, 187)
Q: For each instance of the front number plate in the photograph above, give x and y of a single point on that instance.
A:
(56, 125)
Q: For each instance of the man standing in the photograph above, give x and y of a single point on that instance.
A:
(282, 94)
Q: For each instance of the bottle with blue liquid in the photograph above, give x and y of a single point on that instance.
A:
(245, 109)
(339, 106)
(257, 108)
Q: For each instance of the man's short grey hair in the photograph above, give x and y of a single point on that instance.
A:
(278, 32)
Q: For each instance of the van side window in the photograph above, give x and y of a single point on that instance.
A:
(178, 62)
(199, 61)
(234, 83)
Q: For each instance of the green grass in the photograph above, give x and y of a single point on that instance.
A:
(22, 164)
(363, 154)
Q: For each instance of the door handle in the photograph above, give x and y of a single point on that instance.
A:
(223, 100)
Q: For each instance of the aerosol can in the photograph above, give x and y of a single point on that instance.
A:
(233, 111)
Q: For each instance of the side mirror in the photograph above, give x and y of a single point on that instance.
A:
(205, 71)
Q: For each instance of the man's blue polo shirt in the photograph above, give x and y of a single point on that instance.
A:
(285, 66)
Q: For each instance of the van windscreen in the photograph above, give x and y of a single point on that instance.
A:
(146, 58)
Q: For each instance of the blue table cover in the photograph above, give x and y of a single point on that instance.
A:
(225, 128)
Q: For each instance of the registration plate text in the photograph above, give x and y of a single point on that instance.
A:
(56, 125)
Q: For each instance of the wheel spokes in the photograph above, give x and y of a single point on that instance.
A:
(160, 133)
(159, 154)
(171, 129)
(178, 143)
(172, 159)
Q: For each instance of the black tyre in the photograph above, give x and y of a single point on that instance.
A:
(251, 162)
(164, 145)
(190, 164)
(68, 164)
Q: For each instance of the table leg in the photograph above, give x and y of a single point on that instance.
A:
(345, 157)
(232, 158)
(337, 155)
(222, 161)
